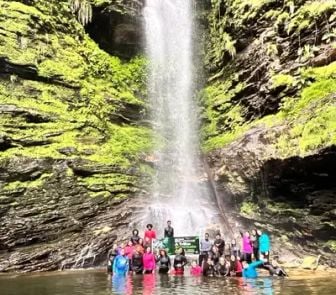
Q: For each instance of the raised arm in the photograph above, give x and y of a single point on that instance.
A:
(255, 264)
(114, 266)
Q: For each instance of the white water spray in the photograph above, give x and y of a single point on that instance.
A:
(179, 192)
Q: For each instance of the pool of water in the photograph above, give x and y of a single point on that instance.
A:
(99, 283)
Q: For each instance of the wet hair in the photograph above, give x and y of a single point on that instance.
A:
(164, 251)
(179, 250)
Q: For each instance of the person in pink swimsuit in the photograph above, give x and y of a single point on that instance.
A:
(148, 261)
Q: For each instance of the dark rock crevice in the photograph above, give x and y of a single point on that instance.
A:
(296, 180)
(292, 198)
(301, 191)
(116, 33)
(29, 72)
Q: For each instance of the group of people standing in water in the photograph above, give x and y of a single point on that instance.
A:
(239, 258)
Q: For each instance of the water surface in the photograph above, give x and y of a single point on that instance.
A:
(99, 283)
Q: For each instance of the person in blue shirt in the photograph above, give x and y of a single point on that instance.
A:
(249, 270)
(121, 263)
(264, 244)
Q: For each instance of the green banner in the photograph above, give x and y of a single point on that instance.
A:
(189, 244)
(166, 244)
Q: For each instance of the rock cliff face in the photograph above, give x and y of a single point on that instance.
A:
(72, 134)
(270, 118)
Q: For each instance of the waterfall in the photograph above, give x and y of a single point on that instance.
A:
(180, 190)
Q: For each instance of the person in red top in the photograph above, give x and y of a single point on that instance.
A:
(129, 249)
(150, 234)
(238, 268)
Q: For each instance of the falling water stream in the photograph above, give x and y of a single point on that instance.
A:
(180, 189)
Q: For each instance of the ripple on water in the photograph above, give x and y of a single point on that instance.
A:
(99, 283)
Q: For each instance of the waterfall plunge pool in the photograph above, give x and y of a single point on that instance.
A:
(94, 282)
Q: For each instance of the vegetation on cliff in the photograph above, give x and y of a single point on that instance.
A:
(61, 93)
(274, 68)
(269, 117)
(72, 134)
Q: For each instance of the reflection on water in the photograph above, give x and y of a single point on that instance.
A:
(99, 283)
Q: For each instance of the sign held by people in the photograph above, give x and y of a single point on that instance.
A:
(190, 244)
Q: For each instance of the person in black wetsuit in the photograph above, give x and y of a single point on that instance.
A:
(137, 263)
(208, 268)
(220, 244)
(164, 262)
(135, 237)
(275, 269)
(255, 244)
(169, 230)
(214, 254)
(234, 248)
(222, 268)
(179, 262)
(111, 255)
(169, 235)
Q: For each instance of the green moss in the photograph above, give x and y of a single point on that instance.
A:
(282, 80)
(124, 146)
(84, 86)
(320, 73)
(27, 184)
(221, 114)
(310, 117)
(101, 194)
(104, 85)
(316, 130)
(111, 179)
(248, 208)
(69, 172)
(307, 14)
(331, 244)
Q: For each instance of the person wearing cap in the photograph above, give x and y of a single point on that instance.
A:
(150, 234)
